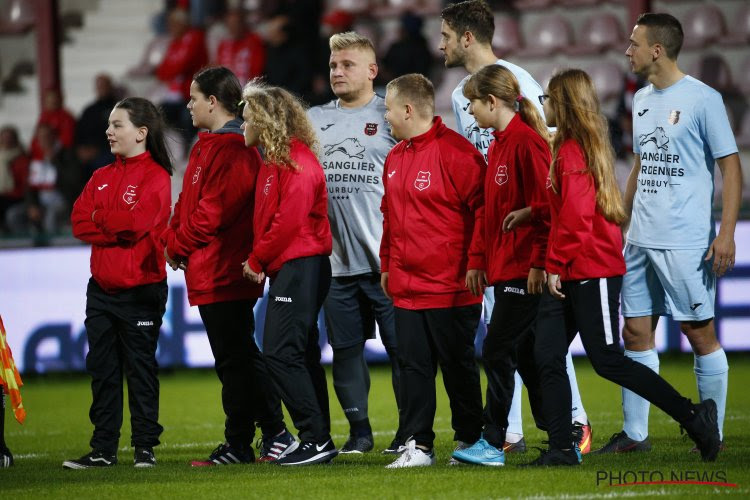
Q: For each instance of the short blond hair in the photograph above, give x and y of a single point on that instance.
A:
(415, 89)
(350, 40)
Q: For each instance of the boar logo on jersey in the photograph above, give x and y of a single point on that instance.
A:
(658, 137)
(129, 195)
(422, 181)
(371, 128)
(351, 147)
(501, 177)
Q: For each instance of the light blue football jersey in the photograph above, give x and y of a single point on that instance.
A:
(465, 122)
(678, 133)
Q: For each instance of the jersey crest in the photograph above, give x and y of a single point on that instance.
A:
(501, 177)
(371, 128)
(674, 117)
(129, 195)
(422, 181)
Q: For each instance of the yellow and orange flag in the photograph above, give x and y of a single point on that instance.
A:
(9, 377)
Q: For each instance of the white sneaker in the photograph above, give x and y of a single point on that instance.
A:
(459, 446)
(412, 457)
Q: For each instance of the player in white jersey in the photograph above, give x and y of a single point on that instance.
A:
(466, 36)
(355, 140)
(673, 256)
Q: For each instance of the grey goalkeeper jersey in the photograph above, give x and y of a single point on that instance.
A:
(354, 144)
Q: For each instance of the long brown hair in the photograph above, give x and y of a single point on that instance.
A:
(279, 116)
(578, 117)
(500, 82)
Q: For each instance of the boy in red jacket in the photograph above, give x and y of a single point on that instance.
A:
(433, 191)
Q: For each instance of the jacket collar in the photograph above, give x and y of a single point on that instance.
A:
(513, 125)
(421, 141)
(133, 160)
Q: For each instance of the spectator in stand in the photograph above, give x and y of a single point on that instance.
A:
(54, 182)
(14, 171)
(57, 117)
(185, 55)
(409, 53)
(288, 62)
(242, 51)
(91, 145)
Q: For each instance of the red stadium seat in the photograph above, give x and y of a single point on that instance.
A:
(574, 3)
(16, 16)
(544, 74)
(507, 38)
(742, 76)
(531, 4)
(703, 25)
(713, 70)
(353, 6)
(608, 79)
(739, 33)
(600, 32)
(548, 36)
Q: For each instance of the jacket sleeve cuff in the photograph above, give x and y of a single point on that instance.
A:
(254, 264)
(554, 267)
(477, 262)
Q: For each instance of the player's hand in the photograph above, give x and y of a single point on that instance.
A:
(722, 250)
(172, 263)
(248, 273)
(476, 281)
(554, 286)
(384, 285)
(516, 218)
(536, 280)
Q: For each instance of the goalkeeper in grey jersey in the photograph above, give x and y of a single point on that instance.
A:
(355, 140)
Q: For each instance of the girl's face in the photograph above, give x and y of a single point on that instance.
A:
(252, 135)
(482, 112)
(549, 111)
(125, 139)
(199, 106)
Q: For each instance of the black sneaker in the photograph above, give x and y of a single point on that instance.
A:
(358, 444)
(273, 448)
(621, 443)
(226, 454)
(144, 458)
(310, 453)
(554, 457)
(703, 428)
(6, 457)
(96, 458)
(397, 446)
(517, 447)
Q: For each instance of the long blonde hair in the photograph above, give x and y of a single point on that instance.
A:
(578, 117)
(500, 82)
(278, 116)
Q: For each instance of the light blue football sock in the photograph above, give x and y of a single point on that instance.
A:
(635, 408)
(712, 375)
(577, 411)
(515, 420)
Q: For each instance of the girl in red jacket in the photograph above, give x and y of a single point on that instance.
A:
(209, 235)
(291, 245)
(584, 275)
(513, 262)
(120, 213)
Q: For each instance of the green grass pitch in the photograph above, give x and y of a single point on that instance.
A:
(57, 428)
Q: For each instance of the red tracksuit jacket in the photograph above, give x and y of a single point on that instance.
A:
(433, 189)
(517, 171)
(132, 198)
(212, 225)
(291, 213)
(582, 243)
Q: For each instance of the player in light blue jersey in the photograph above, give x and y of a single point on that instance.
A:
(466, 36)
(673, 255)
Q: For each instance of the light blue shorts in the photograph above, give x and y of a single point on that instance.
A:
(677, 283)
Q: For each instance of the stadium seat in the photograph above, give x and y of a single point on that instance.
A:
(353, 6)
(713, 70)
(742, 76)
(600, 32)
(544, 73)
(575, 3)
(548, 36)
(444, 89)
(703, 25)
(531, 4)
(507, 39)
(16, 16)
(608, 79)
(739, 32)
